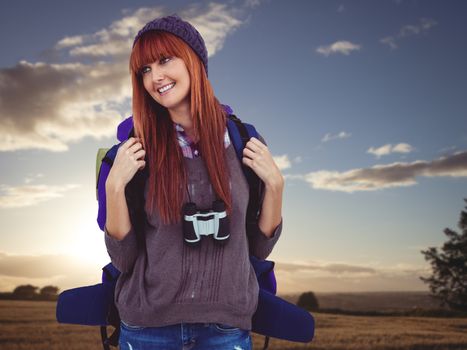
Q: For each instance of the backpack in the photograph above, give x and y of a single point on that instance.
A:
(94, 305)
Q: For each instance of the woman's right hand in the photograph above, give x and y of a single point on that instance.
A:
(129, 159)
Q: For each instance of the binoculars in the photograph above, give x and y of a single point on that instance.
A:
(198, 223)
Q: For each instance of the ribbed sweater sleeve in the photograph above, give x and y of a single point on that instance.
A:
(123, 253)
(259, 244)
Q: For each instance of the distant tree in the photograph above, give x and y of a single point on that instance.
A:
(308, 301)
(25, 292)
(49, 291)
(448, 281)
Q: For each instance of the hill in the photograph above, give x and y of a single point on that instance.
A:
(373, 301)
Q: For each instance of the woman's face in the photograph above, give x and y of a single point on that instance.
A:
(171, 75)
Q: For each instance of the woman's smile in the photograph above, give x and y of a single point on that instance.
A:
(165, 89)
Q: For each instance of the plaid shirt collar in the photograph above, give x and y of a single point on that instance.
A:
(189, 148)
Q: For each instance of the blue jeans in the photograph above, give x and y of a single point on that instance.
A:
(184, 336)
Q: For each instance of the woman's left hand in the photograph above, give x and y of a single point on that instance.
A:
(256, 155)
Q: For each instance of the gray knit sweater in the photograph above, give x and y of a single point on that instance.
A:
(164, 281)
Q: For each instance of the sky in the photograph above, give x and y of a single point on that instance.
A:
(362, 104)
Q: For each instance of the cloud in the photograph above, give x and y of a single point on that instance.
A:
(28, 195)
(214, 24)
(283, 162)
(388, 149)
(252, 3)
(33, 266)
(297, 159)
(423, 26)
(40, 270)
(343, 47)
(445, 151)
(50, 105)
(390, 41)
(341, 8)
(47, 106)
(67, 271)
(327, 268)
(32, 177)
(379, 177)
(115, 40)
(341, 135)
(69, 41)
(297, 277)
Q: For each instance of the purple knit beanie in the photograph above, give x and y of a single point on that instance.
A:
(184, 30)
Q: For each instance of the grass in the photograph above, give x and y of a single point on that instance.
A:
(32, 325)
(336, 332)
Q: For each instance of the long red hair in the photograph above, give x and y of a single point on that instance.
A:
(167, 177)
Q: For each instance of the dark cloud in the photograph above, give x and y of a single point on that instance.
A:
(38, 266)
(389, 175)
(49, 105)
(68, 272)
(342, 277)
(30, 194)
(332, 268)
(62, 271)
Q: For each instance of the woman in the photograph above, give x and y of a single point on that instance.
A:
(172, 294)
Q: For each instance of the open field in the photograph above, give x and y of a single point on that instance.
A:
(32, 325)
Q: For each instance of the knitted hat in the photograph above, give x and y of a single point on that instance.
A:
(184, 30)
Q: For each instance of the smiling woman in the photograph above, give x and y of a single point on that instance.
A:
(182, 150)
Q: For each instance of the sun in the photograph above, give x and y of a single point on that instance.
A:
(88, 242)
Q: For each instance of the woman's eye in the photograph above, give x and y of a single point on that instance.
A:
(145, 69)
(164, 60)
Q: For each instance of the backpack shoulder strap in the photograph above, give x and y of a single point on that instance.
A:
(240, 133)
(101, 152)
(103, 165)
(132, 191)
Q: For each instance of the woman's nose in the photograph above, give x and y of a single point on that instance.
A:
(157, 75)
